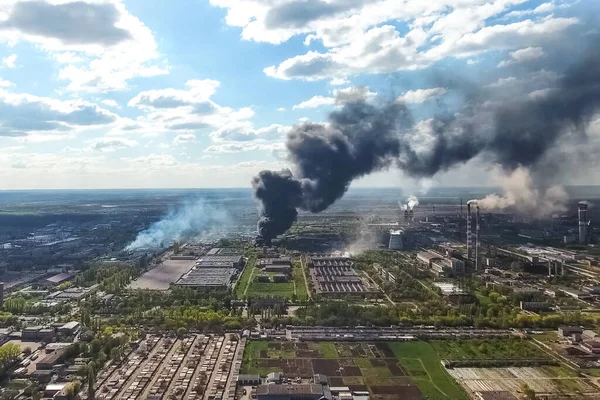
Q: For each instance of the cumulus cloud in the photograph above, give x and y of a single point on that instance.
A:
(243, 147)
(4, 83)
(112, 144)
(190, 109)
(197, 95)
(100, 45)
(9, 61)
(361, 36)
(315, 101)
(340, 97)
(110, 103)
(184, 139)
(421, 95)
(522, 56)
(23, 114)
(244, 132)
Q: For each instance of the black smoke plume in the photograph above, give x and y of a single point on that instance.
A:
(362, 138)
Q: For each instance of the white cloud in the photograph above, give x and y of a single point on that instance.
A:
(315, 101)
(184, 139)
(100, 44)
(421, 95)
(501, 82)
(523, 55)
(338, 81)
(188, 110)
(359, 39)
(4, 83)
(112, 144)
(110, 103)
(340, 97)
(243, 131)
(281, 109)
(9, 61)
(543, 8)
(25, 114)
(243, 147)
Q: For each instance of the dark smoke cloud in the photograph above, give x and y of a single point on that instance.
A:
(363, 138)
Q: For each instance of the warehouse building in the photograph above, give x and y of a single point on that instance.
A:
(208, 278)
(281, 265)
(293, 392)
(51, 360)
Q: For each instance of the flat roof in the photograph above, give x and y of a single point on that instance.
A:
(59, 278)
(206, 277)
(290, 389)
(222, 258)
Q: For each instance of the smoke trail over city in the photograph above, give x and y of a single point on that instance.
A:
(516, 134)
(520, 193)
(193, 220)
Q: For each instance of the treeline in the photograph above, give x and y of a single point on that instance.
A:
(434, 313)
(111, 278)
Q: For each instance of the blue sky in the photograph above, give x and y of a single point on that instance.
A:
(200, 93)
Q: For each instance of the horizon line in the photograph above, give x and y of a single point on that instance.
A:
(247, 188)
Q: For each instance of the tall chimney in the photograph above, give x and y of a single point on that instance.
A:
(477, 241)
(469, 238)
(583, 220)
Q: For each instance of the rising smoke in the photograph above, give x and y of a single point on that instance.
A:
(410, 203)
(193, 220)
(517, 134)
(521, 194)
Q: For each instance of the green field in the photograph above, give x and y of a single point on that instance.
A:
(484, 349)
(249, 287)
(419, 360)
(424, 365)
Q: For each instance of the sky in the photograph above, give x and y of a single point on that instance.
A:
(201, 93)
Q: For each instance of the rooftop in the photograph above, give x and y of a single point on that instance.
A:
(290, 389)
(59, 278)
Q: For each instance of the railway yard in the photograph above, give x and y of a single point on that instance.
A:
(192, 367)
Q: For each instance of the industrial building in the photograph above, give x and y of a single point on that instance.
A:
(70, 328)
(229, 260)
(396, 242)
(293, 392)
(335, 276)
(51, 360)
(208, 278)
(59, 278)
(38, 334)
(281, 265)
(442, 265)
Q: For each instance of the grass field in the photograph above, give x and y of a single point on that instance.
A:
(249, 287)
(483, 349)
(424, 365)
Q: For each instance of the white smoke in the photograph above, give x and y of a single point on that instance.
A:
(521, 193)
(412, 202)
(193, 220)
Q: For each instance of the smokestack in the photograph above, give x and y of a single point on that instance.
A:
(477, 240)
(433, 210)
(469, 238)
(583, 222)
(406, 216)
